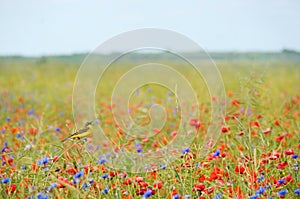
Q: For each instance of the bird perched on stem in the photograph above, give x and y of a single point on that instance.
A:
(81, 133)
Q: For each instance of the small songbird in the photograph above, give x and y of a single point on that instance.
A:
(81, 133)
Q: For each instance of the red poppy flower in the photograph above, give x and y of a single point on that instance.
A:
(55, 159)
(235, 102)
(71, 171)
(174, 133)
(195, 123)
(141, 191)
(68, 123)
(225, 129)
(256, 124)
(20, 100)
(267, 131)
(208, 190)
(143, 184)
(156, 130)
(139, 179)
(201, 178)
(11, 189)
(289, 152)
(157, 185)
(112, 174)
(127, 181)
(241, 133)
(279, 138)
(239, 169)
(155, 144)
(282, 165)
(288, 178)
(198, 187)
(33, 131)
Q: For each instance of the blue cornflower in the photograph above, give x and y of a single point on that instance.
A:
(79, 174)
(137, 144)
(45, 160)
(102, 160)
(281, 181)
(217, 153)
(177, 196)
(253, 197)
(5, 180)
(39, 162)
(297, 191)
(261, 178)
(249, 112)
(52, 186)
(267, 187)
(7, 119)
(105, 176)
(97, 121)
(42, 195)
(105, 190)
(139, 150)
(4, 147)
(85, 186)
(91, 180)
(218, 196)
(46, 169)
(57, 129)
(295, 156)
(282, 192)
(258, 180)
(163, 167)
(147, 194)
(30, 112)
(260, 191)
(186, 150)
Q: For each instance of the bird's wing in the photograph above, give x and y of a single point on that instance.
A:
(81, 131)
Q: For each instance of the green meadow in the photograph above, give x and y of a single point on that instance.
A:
(256, 154)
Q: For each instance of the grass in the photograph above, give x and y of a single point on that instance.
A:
(255, 155)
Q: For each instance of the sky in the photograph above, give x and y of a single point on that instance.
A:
(51, 27)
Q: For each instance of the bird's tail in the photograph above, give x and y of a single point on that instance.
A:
(66, 139)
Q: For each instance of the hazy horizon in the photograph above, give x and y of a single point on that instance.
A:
(111, 53)
(63, 27)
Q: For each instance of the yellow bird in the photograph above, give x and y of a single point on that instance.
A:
(80, 133)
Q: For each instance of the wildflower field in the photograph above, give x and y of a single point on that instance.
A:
(255, 156)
